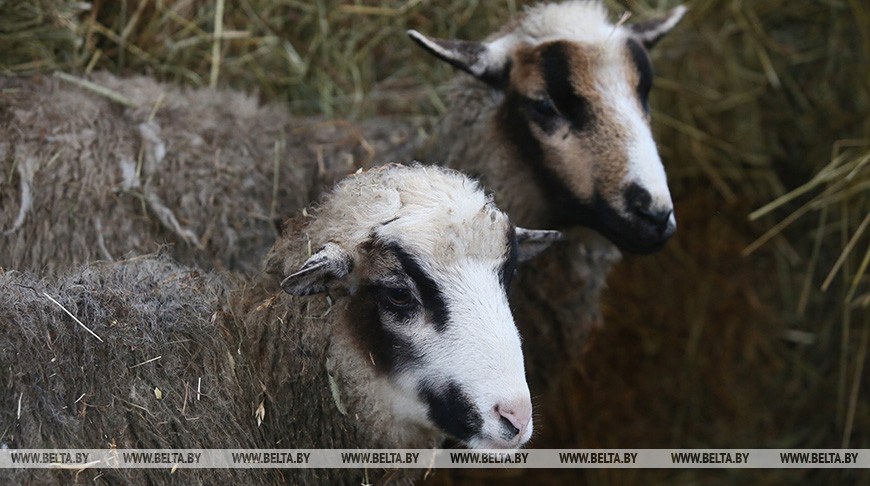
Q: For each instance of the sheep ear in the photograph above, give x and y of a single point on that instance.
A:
(649, 32)
(531, 242)
(320, 271)
(489, 63)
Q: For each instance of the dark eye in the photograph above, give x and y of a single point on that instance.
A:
(399, 298)
(542, 107)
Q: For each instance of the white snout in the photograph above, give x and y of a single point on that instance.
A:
(508, 425)
(515, 419)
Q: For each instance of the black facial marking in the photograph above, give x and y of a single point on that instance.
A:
(452, 410)
(497, 77)
(389, 351)
(430, 292)
(557, 76)
(652, 221)
(636, 197)
(641, 61)
(542, 113)
(628, 234)
(508, 268)
(565, 205)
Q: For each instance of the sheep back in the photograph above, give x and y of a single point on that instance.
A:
(211, 173)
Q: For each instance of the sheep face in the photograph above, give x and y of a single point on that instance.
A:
(574, 111)
(428, 312)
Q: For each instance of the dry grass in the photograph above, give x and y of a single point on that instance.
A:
(321, 57)
(745, 331)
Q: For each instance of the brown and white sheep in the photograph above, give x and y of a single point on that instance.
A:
(551, 113)
(413, 343)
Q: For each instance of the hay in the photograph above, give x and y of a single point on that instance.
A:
(326, 57)
(794, 103)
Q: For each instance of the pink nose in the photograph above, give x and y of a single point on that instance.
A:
(515, 418)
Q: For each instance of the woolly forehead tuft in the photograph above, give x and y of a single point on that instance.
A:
(429, 209)
(580, 21)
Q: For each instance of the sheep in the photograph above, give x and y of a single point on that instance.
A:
(119, 167)
(413, 342)
(551, 113)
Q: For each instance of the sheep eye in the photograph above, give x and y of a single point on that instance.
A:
(399, 298)
(542, 107)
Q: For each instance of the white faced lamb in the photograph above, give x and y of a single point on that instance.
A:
(414, 343)
(87, 176)
(551, 113)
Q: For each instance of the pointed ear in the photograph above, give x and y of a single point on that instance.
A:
(531, 242)
(489, 63)
(649, 32)
(320, 271)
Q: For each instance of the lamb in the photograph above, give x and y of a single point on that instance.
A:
(413, 342)
(551, 113)
(88, 176)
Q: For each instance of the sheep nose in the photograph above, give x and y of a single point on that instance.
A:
(662, 220)
(652, 220)
(514, 418)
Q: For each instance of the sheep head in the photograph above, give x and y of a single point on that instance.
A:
(574, 110)
(426, 260)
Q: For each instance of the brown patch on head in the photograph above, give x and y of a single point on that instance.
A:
(558, 118)
(576, 114)
(378, 263)
(525, 77)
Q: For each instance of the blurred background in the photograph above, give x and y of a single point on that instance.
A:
(749, 330)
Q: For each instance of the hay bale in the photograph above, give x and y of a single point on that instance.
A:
(90, 177)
